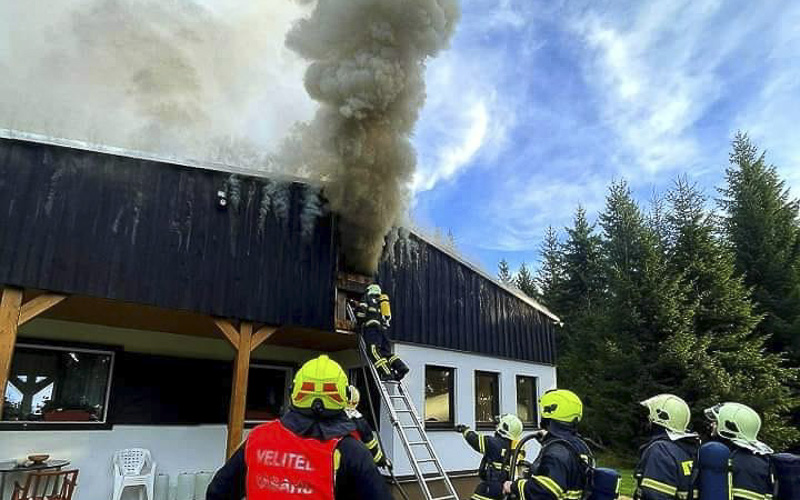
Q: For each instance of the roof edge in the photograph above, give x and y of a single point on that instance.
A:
(214, 166)
(419, 233)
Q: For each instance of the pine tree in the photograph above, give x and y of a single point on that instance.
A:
(524, 281)
(722, 359)
(761, 222)
(644, 310)
(504, 273)
(550, 274)
(582, 266)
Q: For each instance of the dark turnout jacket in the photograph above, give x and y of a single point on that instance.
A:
(357, 477)
(751, 475)
(665, 466)
(559, 472)
(495, 464)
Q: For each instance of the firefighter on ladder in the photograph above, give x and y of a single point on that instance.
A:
(374, 314)
(311, 452)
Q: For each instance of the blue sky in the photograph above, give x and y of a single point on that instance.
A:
(540, 104)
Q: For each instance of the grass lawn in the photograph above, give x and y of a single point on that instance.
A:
(624, 465)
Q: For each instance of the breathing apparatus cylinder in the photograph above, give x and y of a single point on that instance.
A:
(605, 484)
(713, 460)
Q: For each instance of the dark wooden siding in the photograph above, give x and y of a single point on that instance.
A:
(140, 231)
(438, 300)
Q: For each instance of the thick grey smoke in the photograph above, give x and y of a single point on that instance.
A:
(195, 79)
(367, 67)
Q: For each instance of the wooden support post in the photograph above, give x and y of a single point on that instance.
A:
(37, 306)
(10, 305)
(262, 335)
(229, 331)
(241, 368)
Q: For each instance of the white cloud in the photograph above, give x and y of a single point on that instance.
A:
(466, 117)
(452, 157)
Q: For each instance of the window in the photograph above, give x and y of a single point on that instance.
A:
(439, 397)
(58, 385)
(526, 401)
(487, 398)
(267, 389)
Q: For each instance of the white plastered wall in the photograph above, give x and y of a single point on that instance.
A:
(175, 448)
(450, 446)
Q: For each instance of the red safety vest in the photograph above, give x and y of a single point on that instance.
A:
(283, 466)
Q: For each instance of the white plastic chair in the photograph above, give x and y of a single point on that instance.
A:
(134, 467)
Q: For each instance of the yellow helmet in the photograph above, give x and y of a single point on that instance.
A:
(561, 405)
(670, 412)
(320, 379)
(353, 396)
(510, 427)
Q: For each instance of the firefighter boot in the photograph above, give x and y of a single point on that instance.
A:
(399, 368)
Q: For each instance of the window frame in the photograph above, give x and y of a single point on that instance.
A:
(491, 424)
(47, 345)
(288, 368)
(450, 424)
(535, 424)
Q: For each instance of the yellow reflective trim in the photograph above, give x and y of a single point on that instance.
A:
(482, 443)
(337, 459)
(372, 444)
(475, 496)
(521, 488)
(378, 456)
(393, 357)
(574, 494)
(550, 486)
(687, 467)
(659, 486)
(747, 494)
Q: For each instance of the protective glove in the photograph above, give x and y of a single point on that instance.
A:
(461, 428)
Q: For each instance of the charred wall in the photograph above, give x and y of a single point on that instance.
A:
(95, 224)
(439, 300)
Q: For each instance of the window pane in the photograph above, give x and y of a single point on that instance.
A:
(487, 402)
(526, 400)
(266, 393)
(57, 385)
(438, 395)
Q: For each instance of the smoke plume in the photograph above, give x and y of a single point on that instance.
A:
(367, 67)
(194, 79)
(223, 81)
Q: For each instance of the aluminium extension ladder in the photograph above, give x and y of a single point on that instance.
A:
(419, 448)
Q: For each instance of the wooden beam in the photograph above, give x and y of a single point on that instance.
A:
(37, 306)
(261, 336)
(229, 331)
(10, 304)
(241, 369)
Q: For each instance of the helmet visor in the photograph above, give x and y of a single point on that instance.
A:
(712, 413)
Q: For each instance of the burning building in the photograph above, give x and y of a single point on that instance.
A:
(166, 305)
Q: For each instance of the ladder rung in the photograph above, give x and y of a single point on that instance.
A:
(395, 396)
(417, 443)
(423, 460)
(402, 411)
(435, 478)
(444, 497)
(411, 427)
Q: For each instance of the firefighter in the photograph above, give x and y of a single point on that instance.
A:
(496, 450)
(374, 315)
(665, 465)
(737, 426)
(561, 469)
(310, 452)
(365, 432)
